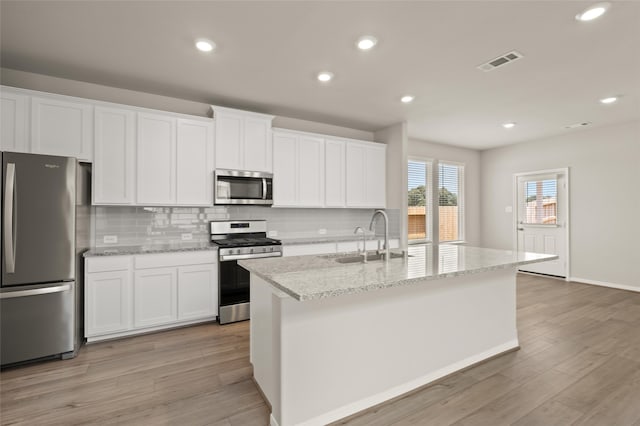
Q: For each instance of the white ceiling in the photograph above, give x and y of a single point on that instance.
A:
(269, 53)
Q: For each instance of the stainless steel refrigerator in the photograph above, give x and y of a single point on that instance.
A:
(40, 295)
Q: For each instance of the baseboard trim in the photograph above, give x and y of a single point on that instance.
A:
(606, 284)
(272, 421)
(408, 387)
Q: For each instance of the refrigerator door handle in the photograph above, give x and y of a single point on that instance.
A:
(9, 234)
(35, 292)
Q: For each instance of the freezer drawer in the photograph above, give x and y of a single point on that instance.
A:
(37, 321)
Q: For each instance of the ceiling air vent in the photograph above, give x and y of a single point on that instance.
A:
(577, 125)
(500, 61)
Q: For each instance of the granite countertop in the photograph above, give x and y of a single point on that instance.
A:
(320, 276)
(151, 248)
(319, 239)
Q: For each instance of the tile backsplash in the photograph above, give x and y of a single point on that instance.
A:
(160, 225)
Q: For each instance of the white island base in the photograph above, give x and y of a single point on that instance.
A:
(321, 360)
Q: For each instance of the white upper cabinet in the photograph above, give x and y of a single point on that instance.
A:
(13, 125)
(61, 127)
(310, 171)
(194, 163)
(334, 173)
(284, 169)
(229, 136)
(243, 140)
(298, 170)
(375, 175)
(366, 175)
(114, 163)
(257, 149)
(156, 164)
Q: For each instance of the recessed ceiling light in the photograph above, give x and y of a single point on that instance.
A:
(593, 12)
(325, 76)
(407, 98)
(366, 42)
(609, 100)
(510, 125)
(205, 45)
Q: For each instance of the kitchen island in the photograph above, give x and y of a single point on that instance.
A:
(329, 339)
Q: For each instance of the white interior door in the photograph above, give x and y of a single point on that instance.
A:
(543, 219)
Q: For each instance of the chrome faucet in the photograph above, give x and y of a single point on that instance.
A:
(386, 231)
(364, 243)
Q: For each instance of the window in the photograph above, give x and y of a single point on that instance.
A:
(419, 201)
(450, 201)
(540, 202)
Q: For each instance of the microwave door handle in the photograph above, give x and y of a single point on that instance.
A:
(8, 225)
(264, 188)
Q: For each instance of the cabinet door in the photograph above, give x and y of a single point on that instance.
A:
(107, 302)
(310, 174)
(375, 175)
(334, 173)
(194, 166)
(257, 145)
(114, 150)
(229, 136)
(284, 170)
(156, 164)
(197, 291)
(61, 128)
(13, 124)
(355, 172)
(155, 297)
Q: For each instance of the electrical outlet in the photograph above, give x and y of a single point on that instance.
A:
(273, 234)
(322, 231)
(187, 237)
(110, 239)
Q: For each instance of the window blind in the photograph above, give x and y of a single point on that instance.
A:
(540, 201)
(419, 200)
(450, 201)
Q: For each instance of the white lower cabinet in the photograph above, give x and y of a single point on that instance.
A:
(108, 299)
(126, 295)
(155, 298)
(197, 294)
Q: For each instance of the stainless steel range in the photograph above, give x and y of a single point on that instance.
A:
(239, 239)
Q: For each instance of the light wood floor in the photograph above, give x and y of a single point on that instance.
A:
(579, 364)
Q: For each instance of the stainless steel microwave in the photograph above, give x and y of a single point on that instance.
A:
(243, 187)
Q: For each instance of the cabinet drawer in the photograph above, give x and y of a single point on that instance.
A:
(107, 263)
(164, 260)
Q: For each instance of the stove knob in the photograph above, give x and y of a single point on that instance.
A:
(251, 251)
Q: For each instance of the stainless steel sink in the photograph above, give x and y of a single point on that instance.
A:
(370, 258)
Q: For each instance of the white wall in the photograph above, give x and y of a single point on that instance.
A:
(471, 159)
(604, 173)
(81, 89)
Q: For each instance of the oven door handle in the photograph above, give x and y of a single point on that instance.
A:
(229, 257)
